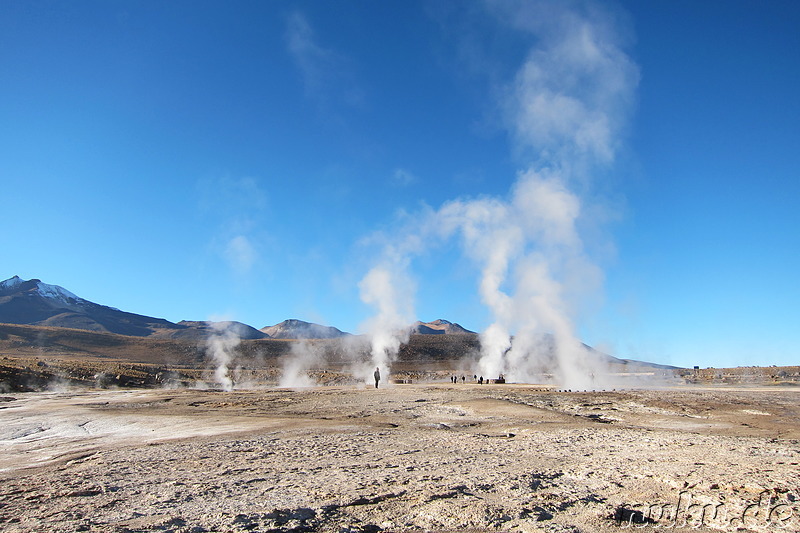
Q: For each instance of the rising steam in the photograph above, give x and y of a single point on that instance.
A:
(565, 109)
(303, 357)
(221, 344)
(387, 289)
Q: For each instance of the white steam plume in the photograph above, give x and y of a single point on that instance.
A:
(303, 356)
(388, 290)
(222, 343)
(565, 109)
(570, 100)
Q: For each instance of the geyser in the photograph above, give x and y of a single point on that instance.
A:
(222, 343)
(565, 109)
(388, 290)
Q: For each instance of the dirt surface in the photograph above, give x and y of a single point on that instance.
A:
(409, 457)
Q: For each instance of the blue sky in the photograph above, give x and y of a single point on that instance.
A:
(254, 160)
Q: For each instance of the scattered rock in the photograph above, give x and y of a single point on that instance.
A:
(206, 461)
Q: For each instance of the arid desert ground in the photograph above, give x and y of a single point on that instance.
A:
(422, 456)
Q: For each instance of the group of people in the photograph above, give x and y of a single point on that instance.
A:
(480, 380)
(453, 379)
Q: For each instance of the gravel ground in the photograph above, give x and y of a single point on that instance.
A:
(429, 457)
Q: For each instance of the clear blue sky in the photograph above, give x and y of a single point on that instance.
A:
(195, 160)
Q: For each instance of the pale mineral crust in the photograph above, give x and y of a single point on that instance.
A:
(421, 457)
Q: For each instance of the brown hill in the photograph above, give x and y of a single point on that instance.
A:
(300, 329)
(439, 327)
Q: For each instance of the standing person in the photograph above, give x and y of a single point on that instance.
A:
(377, 376)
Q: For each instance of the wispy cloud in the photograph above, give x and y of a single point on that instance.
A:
(327, 75)
(403, 178)
(313, 60)
(236, 207)
(227, 197)
(241, 254)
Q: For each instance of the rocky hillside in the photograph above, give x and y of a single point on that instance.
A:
(439, 327)
(299, 329)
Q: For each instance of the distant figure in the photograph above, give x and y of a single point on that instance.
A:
(480, 380)
(377, 376)
(463, 379)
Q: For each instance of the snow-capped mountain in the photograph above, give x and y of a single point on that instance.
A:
(36, 303)
(298, 329)
(54, 293)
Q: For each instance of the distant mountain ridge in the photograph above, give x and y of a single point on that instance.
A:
(439, 327)
(35, 303)
(299, 329)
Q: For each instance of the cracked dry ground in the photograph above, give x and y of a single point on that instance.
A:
(411, 457)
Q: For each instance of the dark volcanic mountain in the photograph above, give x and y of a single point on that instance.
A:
(298, 329)
(439, 327)
(35, 303)
(38, 304)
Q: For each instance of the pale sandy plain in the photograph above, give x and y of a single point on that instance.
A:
(435, 457)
